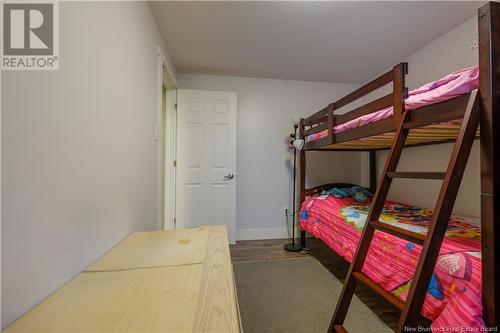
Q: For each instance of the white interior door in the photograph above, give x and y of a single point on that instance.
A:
(206, 159)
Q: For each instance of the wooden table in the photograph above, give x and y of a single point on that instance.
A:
(161, 281)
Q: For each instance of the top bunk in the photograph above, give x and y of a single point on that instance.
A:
(435, 112)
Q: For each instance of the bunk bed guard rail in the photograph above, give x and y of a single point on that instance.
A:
(326, 119)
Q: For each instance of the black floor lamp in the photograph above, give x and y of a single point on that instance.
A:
(294, 246)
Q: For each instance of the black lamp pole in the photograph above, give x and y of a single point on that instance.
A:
(294, 247)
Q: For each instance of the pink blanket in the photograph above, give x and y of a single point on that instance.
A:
(454, 294)
(451, 86)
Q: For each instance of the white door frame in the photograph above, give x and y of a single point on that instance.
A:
(166, 78)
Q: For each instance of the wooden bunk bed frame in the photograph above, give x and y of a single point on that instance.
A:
(426, 129)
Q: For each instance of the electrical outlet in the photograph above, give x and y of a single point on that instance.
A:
(286, 211)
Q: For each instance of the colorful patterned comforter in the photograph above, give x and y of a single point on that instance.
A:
(454, 294)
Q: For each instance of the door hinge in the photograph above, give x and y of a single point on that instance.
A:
(175, 106)
(175, 164)
(175, 221)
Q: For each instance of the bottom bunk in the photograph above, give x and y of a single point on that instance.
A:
(454, 294)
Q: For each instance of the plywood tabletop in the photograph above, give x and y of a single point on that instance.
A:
(161, 281)
(156, 249)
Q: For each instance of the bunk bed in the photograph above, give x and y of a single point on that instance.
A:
(391, 122)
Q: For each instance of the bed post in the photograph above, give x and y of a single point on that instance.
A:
(331, 122)
(373, 171)
(302, 180)
(399, 91)
(489, 88)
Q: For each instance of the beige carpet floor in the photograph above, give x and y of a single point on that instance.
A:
(295, 295)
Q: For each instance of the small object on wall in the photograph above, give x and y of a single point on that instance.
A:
(157, 133)
(473, 42)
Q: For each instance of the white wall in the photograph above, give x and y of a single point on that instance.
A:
(450, 52)
(78, 156)
(264, 171)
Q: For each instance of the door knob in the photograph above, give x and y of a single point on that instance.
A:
(229, 176)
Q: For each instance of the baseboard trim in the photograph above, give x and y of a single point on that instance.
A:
(261, 233)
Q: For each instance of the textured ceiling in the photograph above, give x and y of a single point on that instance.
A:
(317, 41)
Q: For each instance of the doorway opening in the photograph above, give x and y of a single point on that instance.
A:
(165, 136)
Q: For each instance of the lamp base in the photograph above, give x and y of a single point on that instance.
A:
(293, 247)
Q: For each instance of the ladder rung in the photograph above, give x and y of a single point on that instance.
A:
(339, 329)
(361, 277)
(417, 175)
(399, 232)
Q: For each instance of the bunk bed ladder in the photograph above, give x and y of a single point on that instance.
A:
(431, 243)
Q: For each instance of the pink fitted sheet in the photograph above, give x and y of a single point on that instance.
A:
(450, 86)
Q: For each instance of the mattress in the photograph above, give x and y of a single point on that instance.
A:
(451, 86)
(454, 294)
